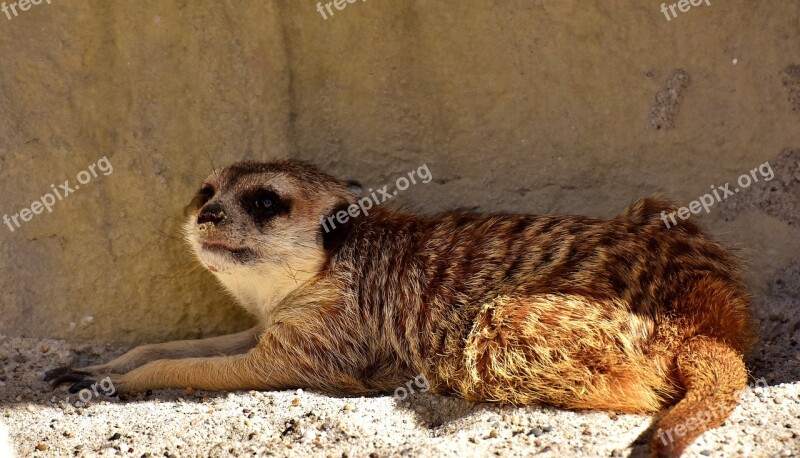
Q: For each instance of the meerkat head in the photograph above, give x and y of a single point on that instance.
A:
(257, 227)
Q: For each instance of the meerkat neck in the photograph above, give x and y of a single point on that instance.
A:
(259, 292)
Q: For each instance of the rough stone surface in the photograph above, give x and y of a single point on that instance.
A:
(779, 197)
(665, 109)
(791, 79)
(537, 107)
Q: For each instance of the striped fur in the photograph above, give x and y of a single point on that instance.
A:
(582, 313)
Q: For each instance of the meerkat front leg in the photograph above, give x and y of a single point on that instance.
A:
(220, 373)
(272, 364)
(232, 344)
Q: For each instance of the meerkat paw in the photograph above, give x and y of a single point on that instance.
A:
(102, 384)
(79, 379)
(64, 374)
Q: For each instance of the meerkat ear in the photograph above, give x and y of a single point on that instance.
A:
(355, 188)
(334, 232)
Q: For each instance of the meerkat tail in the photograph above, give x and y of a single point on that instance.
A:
(714, 375)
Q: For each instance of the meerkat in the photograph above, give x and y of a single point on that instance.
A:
(618, 314)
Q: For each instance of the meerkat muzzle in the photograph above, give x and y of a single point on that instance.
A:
(206, 228)
(212, 214)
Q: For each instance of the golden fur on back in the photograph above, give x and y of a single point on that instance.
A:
(621, 314)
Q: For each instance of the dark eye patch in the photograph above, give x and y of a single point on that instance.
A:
(202, 197)
(264, 204)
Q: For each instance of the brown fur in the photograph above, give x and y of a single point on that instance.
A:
(582, 313)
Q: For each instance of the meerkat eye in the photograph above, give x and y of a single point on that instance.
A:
(263, 204)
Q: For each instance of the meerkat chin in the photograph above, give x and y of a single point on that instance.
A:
(620, 314)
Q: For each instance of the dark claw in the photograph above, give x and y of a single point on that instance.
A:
(57, 372)
(74, 376)
(81, 385)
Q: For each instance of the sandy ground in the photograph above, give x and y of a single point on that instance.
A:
(177, 423)
(44, 422)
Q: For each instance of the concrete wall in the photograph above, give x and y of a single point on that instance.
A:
(525, 106)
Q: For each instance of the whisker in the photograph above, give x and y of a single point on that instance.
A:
(208, 155)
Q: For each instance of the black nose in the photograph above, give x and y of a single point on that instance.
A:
(211, 213)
